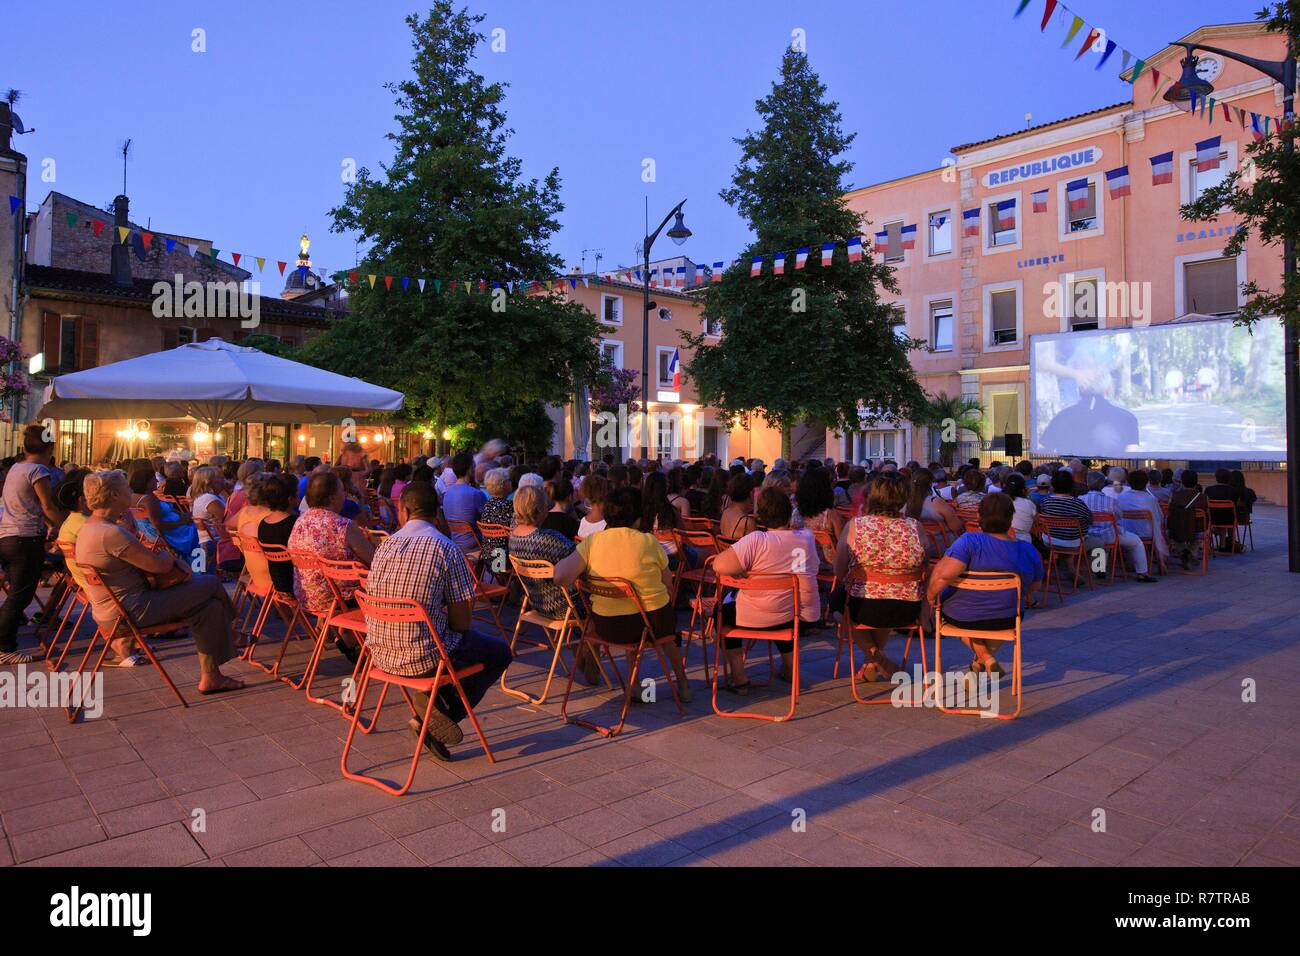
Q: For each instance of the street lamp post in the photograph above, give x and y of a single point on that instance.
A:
(678, 234)
(1183, 94)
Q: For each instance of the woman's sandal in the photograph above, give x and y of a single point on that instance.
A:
(740, 690)
(869, 673)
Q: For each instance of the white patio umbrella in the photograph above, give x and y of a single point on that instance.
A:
(214, 382)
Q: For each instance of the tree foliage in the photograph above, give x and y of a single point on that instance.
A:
(947, 416)
(1265, 192)
(816, 343)
(453, 204)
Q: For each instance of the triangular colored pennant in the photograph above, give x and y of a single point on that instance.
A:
(122, 233)
(171, 244)
(437, 285)
(236, 256)
(14, 203)
(1137, 70)
(97, 226)
(1075, 26)
(1047, 15)
(193, 248)
(420, 282)
(468, 285)
(1128, 58)
(1092, 38)
(1110, 48)
(146, 237)
(353, 276)
(261, 262)
(281, 264)
(1021, 9)
(71, 217)
(215, 252)
(406, 283)
(371, 277)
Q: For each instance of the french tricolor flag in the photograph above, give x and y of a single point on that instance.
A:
(717, 271)
(676, 371)
(1256, 130)
(1207, 154)
(778, 264)
(828, 253)
(882, 242)
(1076, 193)
(1117, 182)
(756, 266)
(970, 222)
(1162, 168)
(1040, 200)
(699, 275)
(1006, 213)
(908, 235)
(681, 276)
(855, 249)
(800, 257)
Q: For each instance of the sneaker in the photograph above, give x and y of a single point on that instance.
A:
(431, 743)
(442, 727)
(17, 657)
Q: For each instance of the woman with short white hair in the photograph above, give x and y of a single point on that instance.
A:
(497, 511)
(124, 564)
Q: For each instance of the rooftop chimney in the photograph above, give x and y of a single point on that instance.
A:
(120, 261)
(6, 127)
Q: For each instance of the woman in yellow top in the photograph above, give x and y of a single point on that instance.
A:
(621, 550)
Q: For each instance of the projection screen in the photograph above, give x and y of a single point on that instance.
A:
(1202, 389)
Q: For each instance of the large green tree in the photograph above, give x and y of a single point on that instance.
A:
(452, 205)
(813, 344)
(1265, 192)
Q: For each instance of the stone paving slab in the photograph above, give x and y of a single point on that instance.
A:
(1134, 710)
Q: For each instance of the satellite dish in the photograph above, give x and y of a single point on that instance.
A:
(19, 128)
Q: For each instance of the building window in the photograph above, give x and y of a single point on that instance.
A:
(1082, 303)
(665, 359)
(1081, 220)
(940, 232)
(709, 436)
(1005, 409)
(941, 326)
(1002, 315)
(611, 309)
(665, 433)
(875, 445)
(713, 328)
(999, 237)
(70, 342)
(900, 330)
(1210, 286)
(894, 250)
(1202, 181)
(185, 335)
(612, 353)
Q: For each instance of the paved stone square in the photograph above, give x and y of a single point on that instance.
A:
(1134, 706)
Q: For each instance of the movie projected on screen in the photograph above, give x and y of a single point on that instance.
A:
(1181, 390)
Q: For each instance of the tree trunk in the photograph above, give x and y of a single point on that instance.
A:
(786, 436)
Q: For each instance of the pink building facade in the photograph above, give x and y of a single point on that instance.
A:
(975, 300)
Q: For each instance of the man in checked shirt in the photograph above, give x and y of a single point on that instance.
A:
(418, 561)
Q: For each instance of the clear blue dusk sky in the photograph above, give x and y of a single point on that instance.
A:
(244, 144)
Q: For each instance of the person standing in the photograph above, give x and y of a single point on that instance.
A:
(29, 509)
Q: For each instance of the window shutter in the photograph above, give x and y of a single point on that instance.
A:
(88, 346)
(170, 339)
(1210, 286)
(51, 322)
(1003, 305)
(1083, 299)
(895, 231)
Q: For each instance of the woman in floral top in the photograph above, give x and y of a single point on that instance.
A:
(497, 510)
(882, 540)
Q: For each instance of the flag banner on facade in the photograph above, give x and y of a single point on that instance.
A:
(681, 276)
(1256, 130)
(675, 369)
(908, 235)
(1039, 200)
(699, 274)
(970, 222)
(1006, 211)
(1117, 182)
(1162, 168)
(1076, 194)
(778, 264)
(1207, 154)
(881, 246)
(828, 253)
(855, 249)
(800, 257)
(717, 272)
(756, 266)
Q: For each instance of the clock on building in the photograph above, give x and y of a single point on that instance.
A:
(1208, 68)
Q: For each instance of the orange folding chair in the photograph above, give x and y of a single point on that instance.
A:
(1146, 524)
(980, 581)
(1051, 530)
(286, 606)
(861, 575)
(123, 626)
(406, 611)
(618, 589)
(827, 581)
(1110, 528)
(338, 573)
(77, 601)
(488, 594)
(703, 542)
(970, 517)
(758, 582)
(698, 524)
(558, 631)
(1201, 532)
(475, 553)
(1223, 526)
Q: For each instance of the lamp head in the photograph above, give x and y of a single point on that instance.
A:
(679, 233)
(1191, 87)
